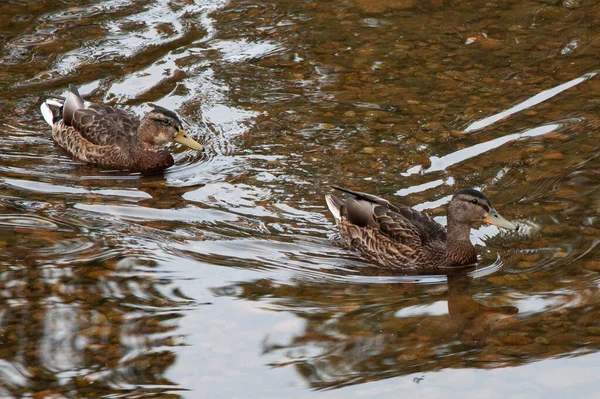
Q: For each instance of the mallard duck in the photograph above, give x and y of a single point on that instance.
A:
(399, 237)
(112, 138)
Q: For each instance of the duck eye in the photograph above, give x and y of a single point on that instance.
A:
(165, 122)
(474, 201)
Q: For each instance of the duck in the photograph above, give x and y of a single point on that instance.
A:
(112, 138)
(398, 237)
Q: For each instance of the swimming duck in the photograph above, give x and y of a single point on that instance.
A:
(112, 138)
(398, 237)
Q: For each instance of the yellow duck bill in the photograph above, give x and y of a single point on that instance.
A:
(493, 217)
(183, 138)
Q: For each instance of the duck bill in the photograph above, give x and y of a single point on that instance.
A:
(183, 138)
(493, 217)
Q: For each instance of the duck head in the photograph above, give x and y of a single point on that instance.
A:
(470, 206)
(160, 127)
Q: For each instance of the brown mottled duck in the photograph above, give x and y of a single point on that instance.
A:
(398, 237)
(112, 138)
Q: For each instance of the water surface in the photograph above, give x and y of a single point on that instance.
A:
(222, 277)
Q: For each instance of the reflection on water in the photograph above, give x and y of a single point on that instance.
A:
(472, 321)
(223, 276)
(78, 317)
(358, 333)
(537, 99)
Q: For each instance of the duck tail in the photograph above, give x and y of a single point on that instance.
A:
(334, 204)
(51, 111)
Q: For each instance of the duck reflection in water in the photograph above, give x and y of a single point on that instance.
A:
(355, 333)
(472, 321)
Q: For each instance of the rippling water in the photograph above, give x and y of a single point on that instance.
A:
(223, 276)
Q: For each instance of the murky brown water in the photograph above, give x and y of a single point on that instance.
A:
(222, 278)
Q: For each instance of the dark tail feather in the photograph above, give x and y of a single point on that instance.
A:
(368, 197)
(73, 102)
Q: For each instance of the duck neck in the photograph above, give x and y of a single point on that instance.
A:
(459, 249)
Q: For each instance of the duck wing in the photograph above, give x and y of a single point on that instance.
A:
(106, 125)
(398, 222)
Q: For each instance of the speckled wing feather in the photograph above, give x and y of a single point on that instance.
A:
(378, 232)
(104, 125)
(429, 229)
(402, 216)
(81, 148)
(396, 227)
